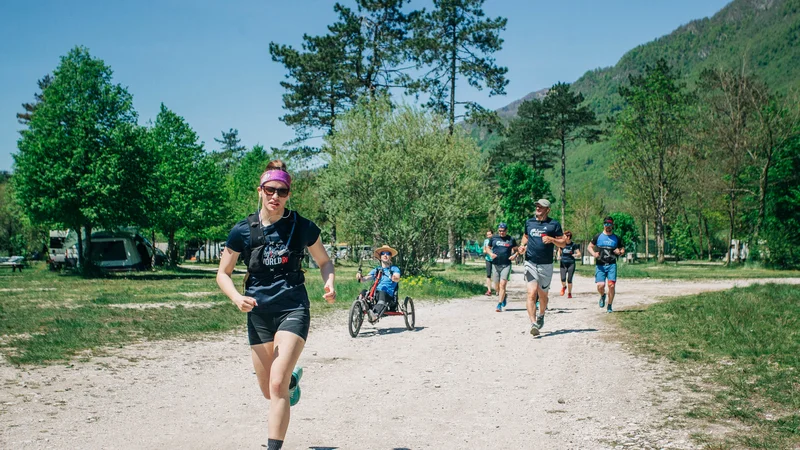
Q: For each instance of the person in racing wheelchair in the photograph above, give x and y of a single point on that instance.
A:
(387, 285)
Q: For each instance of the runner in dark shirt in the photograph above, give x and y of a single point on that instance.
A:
(567, 257)
(502, 248)
(542, 235)
(274, 241)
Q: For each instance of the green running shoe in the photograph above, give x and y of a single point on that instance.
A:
(294, 386)
(602, 301)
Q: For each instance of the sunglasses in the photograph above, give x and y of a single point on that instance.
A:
(608, 224)
(270, 191)
(386, 253)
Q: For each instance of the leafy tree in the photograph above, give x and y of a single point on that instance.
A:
(187, 191)
(231, 150)
(455, 40)
(568, 122)
(726, 114)
(528, 138)
(651, 138)
(519, 188)
(361, 55)
(319, 87)
(586, 211)
(81, 162)
(625, 227)
(242, 183)
(782, 246)
(773, 124)
(25, 117)
(393, 177)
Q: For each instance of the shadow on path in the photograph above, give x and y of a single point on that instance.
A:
(384, 331)
(558, 332)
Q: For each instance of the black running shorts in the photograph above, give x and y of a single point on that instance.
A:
(488, 269)
(261, 327)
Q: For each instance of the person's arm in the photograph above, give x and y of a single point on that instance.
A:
(396, 275)
(558, 253)
(620, 250)
(560, 241)
(226, 264)
(317, 251)
(523, 245)
(592, 249)
(577, 252)
(489, 249)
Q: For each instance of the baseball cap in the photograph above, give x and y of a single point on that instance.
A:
(502, 225)
(544, 202)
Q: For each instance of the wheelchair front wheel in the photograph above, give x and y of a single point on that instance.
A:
(409, 314)
(356, 317)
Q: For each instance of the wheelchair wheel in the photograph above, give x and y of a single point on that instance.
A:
(408, 313)
(356, 317)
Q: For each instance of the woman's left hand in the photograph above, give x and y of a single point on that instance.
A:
(330, 292)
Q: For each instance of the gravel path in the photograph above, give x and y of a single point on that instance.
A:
(468, 377)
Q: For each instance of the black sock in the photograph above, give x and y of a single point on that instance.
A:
(293, 382)
(274, 444)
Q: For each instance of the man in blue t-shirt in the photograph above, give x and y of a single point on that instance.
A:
(542, 235)
(501, 248)
(387, 285)
(605, 247)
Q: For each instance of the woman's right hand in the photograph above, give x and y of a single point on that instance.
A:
(244, 303)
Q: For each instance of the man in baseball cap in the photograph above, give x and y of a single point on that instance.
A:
(542, 235)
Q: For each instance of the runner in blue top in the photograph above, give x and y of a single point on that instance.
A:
(387, 285)
(605, 247)
(486, 251)
(542, 235)
(273, 242)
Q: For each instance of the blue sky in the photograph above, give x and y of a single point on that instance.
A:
(209, 61)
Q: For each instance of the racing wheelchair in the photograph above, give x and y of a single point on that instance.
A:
(366, 301)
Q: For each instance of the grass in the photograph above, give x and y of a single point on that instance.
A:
(748, 341)
(690, 270)
(47, 317)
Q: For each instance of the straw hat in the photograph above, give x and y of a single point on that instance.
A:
(385, 248)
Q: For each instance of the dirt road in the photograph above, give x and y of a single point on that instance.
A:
(468, 377)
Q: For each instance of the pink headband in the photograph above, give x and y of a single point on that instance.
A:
(277, 175)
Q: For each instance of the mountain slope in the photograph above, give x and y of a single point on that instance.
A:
(762, 34)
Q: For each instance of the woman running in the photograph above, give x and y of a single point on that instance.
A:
(273, 241)
(567, 257)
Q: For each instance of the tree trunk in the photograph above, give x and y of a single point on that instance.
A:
(731, 221)
(708, 241)
(153, 243)
(700, 234)
(453, 72)
(80, 249)
(172, 250)
(88, 260)
(563, 181)
(451, 245)
(660, 237)
(763, 181)
(647, 240)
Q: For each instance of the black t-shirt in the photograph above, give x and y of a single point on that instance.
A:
(606, 244)
(568, 253)
(537, 251)
(282, 294)
(501, 246)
